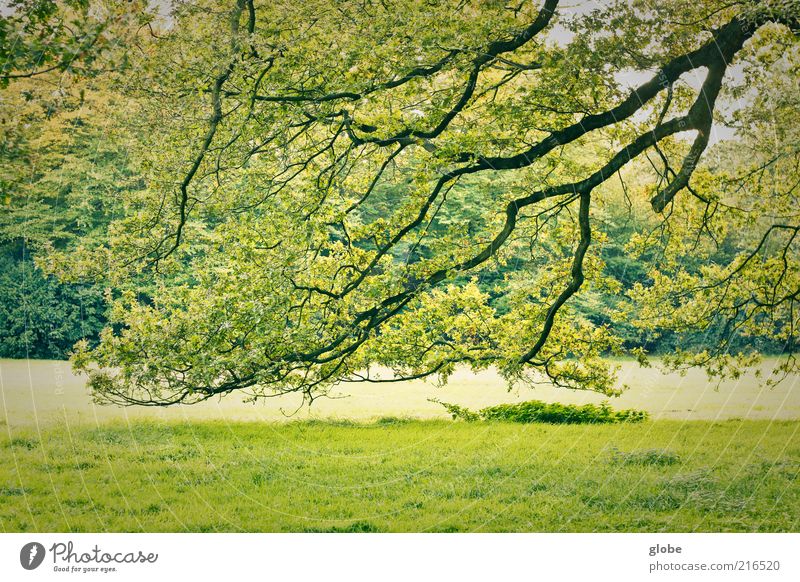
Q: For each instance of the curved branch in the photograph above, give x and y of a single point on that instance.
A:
(213, 123)
(576, 280)
(702, 116)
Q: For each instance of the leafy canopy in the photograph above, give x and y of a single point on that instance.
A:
(333, 186)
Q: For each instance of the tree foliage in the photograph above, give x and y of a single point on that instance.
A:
(333, 186)
(41, 317)
(63, 169)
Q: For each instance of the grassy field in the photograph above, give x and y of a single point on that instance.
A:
(395, 475)
(715, 458)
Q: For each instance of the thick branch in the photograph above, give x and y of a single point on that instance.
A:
(576, 278)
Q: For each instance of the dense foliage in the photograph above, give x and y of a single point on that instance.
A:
(551, 413)
(64, 172)
(289, 195)
(41, 317)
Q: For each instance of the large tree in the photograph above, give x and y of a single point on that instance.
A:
(307, 164)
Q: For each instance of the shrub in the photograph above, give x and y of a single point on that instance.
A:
(457, 412)
(552, 413)
(41, 317)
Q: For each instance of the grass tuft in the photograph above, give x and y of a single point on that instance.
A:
(356, 527)
(657, 457)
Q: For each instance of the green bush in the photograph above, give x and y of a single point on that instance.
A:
(41, 317)
(456, 411)
(551, 413)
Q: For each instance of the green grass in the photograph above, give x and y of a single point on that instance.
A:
(401, 475)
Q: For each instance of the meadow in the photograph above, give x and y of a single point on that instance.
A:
(710, 460)
(398, 476)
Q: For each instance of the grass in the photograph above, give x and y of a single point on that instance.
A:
(401, 475)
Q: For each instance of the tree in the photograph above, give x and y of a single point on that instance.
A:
(306, 163)
(63, 166)
(52, 37)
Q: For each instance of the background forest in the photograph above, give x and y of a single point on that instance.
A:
(64, 181)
